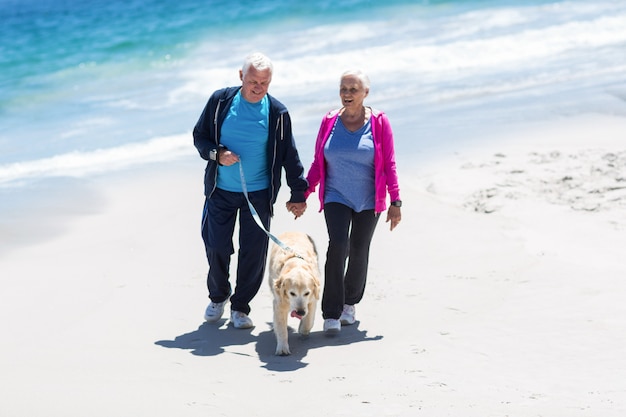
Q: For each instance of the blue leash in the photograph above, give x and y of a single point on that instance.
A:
(256, 217)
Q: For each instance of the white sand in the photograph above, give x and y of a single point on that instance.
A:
(500, 294)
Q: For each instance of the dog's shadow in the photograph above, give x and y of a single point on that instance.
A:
(300, 346)
(212, 339)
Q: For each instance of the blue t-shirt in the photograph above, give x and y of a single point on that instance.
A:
(350, 167)
(245, 132)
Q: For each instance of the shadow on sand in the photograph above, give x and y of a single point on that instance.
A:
(211, 339)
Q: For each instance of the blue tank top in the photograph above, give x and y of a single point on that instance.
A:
(350, 167)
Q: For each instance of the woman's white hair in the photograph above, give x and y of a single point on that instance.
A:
(365, 80)
(259, 61)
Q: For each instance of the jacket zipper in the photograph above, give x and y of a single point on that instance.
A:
(278, 126)
(217, 142)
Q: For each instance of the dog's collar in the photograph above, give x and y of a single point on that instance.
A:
(296, 255)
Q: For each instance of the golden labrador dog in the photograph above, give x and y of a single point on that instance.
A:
(294, 278)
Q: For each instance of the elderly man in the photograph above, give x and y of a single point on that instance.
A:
(244, 127)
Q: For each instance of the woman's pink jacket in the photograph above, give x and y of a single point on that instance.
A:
(385, 176)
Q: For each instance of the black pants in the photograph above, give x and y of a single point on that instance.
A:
(218, 225)
(350, 234)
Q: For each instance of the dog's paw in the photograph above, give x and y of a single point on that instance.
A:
(283, 351)
(304, 329)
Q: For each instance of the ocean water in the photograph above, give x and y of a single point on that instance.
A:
(92, 86)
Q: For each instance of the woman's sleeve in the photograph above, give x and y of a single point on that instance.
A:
(389, 158)
(315, 171)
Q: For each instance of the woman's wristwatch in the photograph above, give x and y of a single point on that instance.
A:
(397, 203)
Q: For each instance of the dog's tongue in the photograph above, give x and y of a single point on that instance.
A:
(294, 314)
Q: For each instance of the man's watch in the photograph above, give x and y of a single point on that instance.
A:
(213, 155)
(397, 203)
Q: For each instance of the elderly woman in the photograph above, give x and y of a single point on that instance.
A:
(355, 167)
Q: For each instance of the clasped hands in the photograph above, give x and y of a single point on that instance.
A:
(297, 209)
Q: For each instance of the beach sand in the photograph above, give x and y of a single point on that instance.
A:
(500, 294)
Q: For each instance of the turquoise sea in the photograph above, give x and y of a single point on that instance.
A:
(91, 86)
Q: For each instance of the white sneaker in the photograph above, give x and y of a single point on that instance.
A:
(214, 311)
(332, 326)
(240, 320)
(348, 315)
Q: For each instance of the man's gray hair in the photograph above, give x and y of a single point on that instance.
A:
(259, 61)
(365, 80)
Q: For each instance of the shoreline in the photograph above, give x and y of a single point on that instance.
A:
(38, 210)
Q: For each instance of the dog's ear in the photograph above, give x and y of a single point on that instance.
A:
(281, 284)
(286, 284)
(316, 288)
(278, 284)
